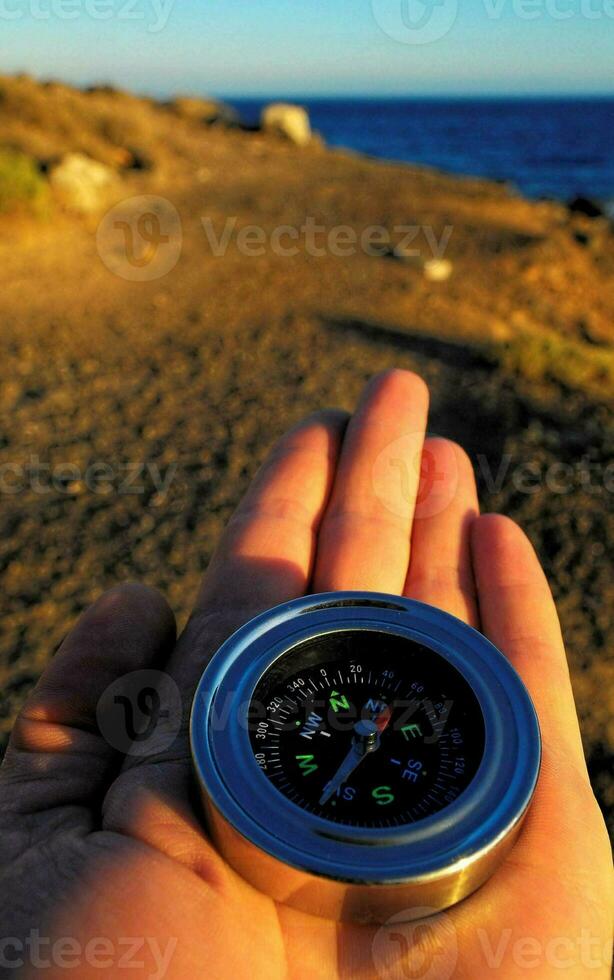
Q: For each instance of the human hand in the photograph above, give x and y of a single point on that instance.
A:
(101, 849)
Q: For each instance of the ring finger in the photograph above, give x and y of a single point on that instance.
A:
(440, 570)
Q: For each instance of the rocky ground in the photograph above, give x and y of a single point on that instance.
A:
(178, 384)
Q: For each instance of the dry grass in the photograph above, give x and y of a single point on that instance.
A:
(544, 356)
(48, 120)
(22, 188)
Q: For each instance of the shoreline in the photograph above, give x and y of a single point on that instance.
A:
(402, 133)
(239, 103)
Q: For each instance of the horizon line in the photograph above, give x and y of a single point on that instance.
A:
(205, 91)
(365, 96)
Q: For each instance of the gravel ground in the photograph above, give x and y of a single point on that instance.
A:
(180, 384)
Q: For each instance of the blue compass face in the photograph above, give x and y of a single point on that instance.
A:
(366, 728)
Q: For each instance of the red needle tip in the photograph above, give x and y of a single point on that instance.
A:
(383, 719)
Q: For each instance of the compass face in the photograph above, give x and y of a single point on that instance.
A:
(366, 728)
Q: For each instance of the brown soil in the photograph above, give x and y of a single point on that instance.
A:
(203, 368)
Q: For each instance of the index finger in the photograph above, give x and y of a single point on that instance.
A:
(266, 553)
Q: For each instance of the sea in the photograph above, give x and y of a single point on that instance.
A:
(555, 148)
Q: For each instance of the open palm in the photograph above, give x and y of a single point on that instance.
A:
(104, 862)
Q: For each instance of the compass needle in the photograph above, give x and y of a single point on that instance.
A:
(366, 739)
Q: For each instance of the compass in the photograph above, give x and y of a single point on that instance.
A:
(362, 755)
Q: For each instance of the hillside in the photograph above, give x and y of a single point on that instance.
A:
(507, 309)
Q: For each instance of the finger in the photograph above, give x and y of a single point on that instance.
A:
(563, 851)
(57, 754)
(266, 553)
(440, 569)
(518, 614)
(365, 535)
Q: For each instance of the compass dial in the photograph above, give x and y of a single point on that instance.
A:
(366, 728)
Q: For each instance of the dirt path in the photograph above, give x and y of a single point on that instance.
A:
(177, 386)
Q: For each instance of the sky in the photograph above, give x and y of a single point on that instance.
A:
(316, 47)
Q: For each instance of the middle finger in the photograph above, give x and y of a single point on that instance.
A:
(364, 538)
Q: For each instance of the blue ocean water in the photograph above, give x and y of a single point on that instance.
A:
(555, 148)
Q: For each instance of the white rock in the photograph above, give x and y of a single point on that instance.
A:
(289, 121)
(81, 183)
(438, 270)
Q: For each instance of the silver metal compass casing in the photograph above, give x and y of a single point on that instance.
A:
(357, 873)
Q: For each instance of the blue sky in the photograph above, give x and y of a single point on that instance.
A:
(254, 47)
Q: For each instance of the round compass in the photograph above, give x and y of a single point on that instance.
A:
(363, 755)
(366, 729)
